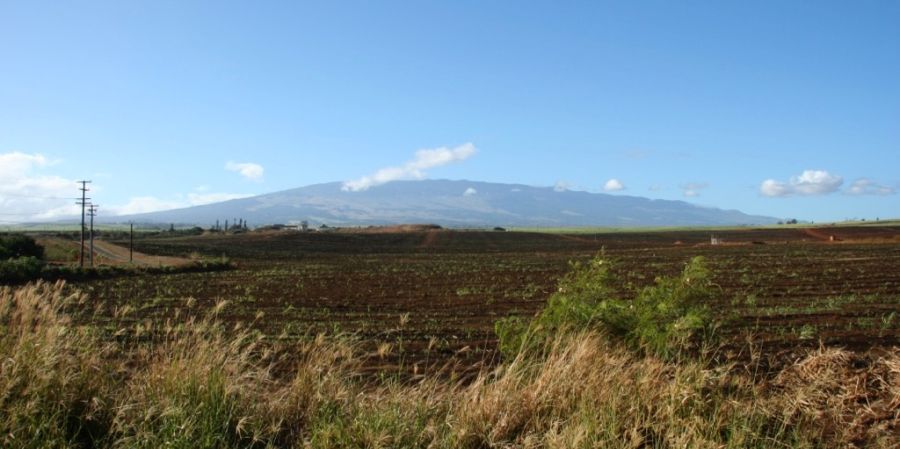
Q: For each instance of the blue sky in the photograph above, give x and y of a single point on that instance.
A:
(788, 109)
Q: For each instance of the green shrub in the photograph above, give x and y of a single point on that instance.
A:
(20, 269)
(663, 319)
(19, 245)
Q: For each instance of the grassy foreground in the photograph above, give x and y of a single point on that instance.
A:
(191, 383)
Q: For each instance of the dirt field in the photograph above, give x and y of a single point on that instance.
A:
(428, 297)
(65, 251)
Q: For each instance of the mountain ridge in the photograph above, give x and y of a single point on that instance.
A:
(454, 203)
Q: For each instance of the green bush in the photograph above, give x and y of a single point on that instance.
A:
(665, 318)
(20, 269)
(19, 245)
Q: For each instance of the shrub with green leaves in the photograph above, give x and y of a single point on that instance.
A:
(665, 318)
(19, 245)
(20, 269)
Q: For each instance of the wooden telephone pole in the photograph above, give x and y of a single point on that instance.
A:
(92, 210)
(131, 243)
(82, 203)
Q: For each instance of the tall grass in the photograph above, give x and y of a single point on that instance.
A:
(197, 383)
(57, 384)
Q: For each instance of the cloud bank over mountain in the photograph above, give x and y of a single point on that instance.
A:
(414, 169)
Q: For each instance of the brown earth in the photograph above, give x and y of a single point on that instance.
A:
(434, 295)
(65, 251)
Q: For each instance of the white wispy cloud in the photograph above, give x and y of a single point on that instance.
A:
(249, 170)
(414, 169)
(197, 199)
(692, 189)
(470, 191)
(808, 183)
(561, 186)
(613, 185)
(26, 194)
(865, 186)
(17, 163)
(145, 204)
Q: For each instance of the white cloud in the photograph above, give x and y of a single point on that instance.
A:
(561, 186)
(865, 186)
(144, 204)
(692, 189)
(773, 188)
(249, 170)
(816, 182)
(809, 183)
(17, 164)
(414, 169)
(58, 212)
(470, 191)
(27, 195)
(197, 199)
(613, 185)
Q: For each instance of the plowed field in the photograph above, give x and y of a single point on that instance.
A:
(428, 298)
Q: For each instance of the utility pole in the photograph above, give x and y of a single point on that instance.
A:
(92, 209)
(131, 244)
(82, 203)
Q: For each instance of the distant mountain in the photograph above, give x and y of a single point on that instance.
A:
(451, 203)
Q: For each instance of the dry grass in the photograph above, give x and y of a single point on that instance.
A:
(855, 400)
(56, 386)
(199, 385)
